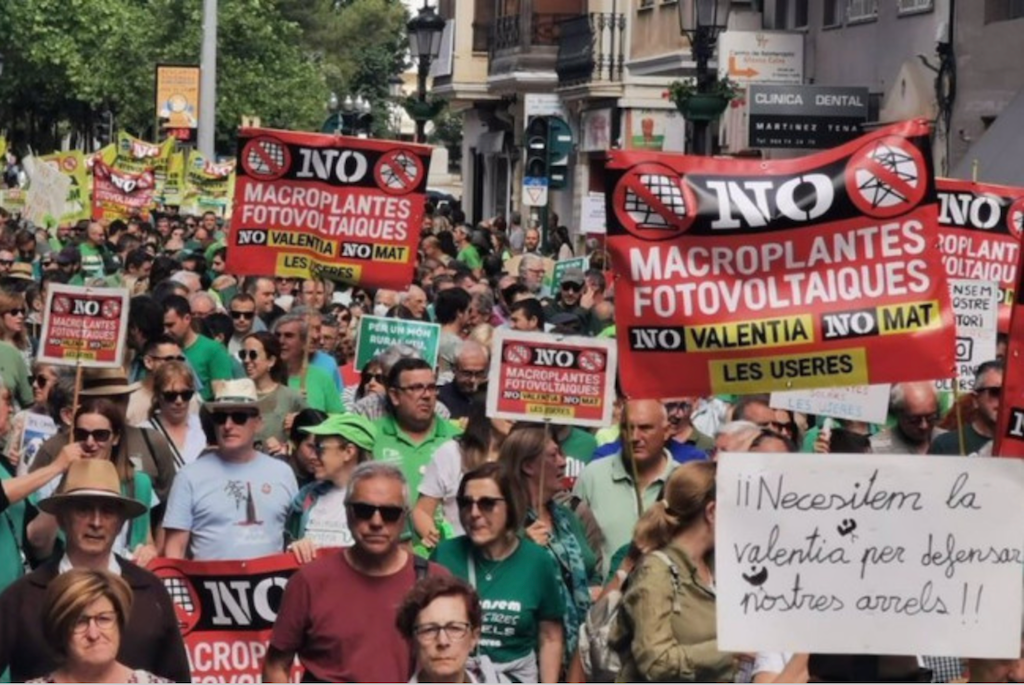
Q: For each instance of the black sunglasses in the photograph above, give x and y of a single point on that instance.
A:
(99, 435)
(251, 355)
(17, 311)
(239, 418)
(6, 262)
(242, 315)
(575, 287)
(378, 377)
(40, 381)
(365, 512)
(484, 504)
(172, 396)
(168, 358)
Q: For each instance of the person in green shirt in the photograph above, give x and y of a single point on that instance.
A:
(314, 385)
(468, 253)
(94, 251)
(207, 358)
(410, 433)
(978, 432)
(518, 582)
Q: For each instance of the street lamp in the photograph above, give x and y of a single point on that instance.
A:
(701, 21)
(350, 117)
(425, 30)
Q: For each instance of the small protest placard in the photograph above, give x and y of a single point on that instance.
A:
(908, 554)
(869, 403)
(592, 218)
(84, 326)
(536, 377)
(581, 263)
(377, 334)
(976, 308)
(37, 429)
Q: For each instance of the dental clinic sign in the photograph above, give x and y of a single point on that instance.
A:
(808, 117)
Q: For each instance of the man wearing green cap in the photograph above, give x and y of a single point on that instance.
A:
(317, 514)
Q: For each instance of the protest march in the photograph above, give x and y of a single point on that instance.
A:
(283, 417)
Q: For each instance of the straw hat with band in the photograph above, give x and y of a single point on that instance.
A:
(104, 382)
(21, 272)
(235, 394)
(93, 479)
(355, 428)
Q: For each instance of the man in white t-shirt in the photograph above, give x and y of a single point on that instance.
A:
(232, 503)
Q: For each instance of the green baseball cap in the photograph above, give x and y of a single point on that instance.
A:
(355, 428)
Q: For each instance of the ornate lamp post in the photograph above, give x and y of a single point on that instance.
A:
(425, 30)
(349, 117)
(701, 21)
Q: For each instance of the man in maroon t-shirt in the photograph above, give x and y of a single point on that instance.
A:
(338, 612)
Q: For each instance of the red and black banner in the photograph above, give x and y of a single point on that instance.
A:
(1009, 438)
(314, 205)
(750, 276)
(116, 194)
(980, 228)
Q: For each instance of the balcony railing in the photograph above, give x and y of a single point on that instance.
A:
(590, 48)
(544, 29)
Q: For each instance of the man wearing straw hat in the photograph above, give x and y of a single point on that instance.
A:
(90, 510)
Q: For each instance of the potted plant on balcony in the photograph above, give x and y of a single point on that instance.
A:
(708, 106)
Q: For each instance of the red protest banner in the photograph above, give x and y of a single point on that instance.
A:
(739, 276)
(116, 194)
(84, 326)
(1009, 437)
(536, 376)
(226, 612)
(308, 204)
(980, 227)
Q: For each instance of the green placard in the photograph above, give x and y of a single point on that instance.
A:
(376, 334)
(564, 265)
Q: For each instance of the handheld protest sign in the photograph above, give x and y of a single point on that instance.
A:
(84, 326)
(743, 276)
(538, 377)
(377, 333)
(868, 403)
(313, 205)
(909, 555)
(1009, 438)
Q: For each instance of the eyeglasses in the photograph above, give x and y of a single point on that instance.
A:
(486, 505)
(39, 380)
(468, 373)
(172, 396)
(99, 435)
(916, 419)
(419, 388)
(239, 418)
(375, 378)
(574, 287)
(108, 619)
(994, 391)
(27, 256)
(320, 448)
(364, 511)
(17, 311)
(429, 632)
(672, 407)
(168, 358)
(251, 355)
(6, 262)
(235, 314)
(772, 426)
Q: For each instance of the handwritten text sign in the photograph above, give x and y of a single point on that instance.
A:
(868, 403)
(908, 554)
(976, 308)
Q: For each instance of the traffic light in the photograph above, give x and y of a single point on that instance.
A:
(104, 128)
(537, 147)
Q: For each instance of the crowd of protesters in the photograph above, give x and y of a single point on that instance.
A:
(435, 543)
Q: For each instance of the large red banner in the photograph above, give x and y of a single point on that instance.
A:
(117, 194)
(226, 611)
(740, 276)
(980, 227)
(314, 205)
(1009, 438)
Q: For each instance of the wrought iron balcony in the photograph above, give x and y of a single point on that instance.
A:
(527, 40)
(590, 48)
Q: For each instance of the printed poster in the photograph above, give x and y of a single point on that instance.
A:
(177, 95)
(1009, 438)
(77, 206)
(377, 334)
(84, 326)
(117, 194)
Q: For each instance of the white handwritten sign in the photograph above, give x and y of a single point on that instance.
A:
(869, 554)
(868, 403)
(976, 308)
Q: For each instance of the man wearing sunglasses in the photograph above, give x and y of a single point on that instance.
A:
(567, 299)
(242, 309)
(338, 611)
(915, 407)
(232, 503)
(988, 391)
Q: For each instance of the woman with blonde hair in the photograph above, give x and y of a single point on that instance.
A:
(666, 630)
(12, 324)
(173, 390)
(84, 616)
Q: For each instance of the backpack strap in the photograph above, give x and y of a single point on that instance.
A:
(677, 582)
(420, 567)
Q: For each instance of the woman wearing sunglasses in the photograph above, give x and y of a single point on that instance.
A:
(515, 578)
(12, 324)
(173, 390)
(536, 466)
(302, 445)
(317, 515)
(371, 381)
(97, 429)
(261, 357)
(43, 378)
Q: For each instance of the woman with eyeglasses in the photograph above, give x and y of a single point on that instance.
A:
(479, 443)
(514, 577)
(317, 515)
(441, 618)
(261, 357)
(536, 466)
(302, 445)
(97, 428)
(43, 378)
(12, 324)
(173, 390)
(84, 616)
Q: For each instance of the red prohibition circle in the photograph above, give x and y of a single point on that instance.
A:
(111, 309)
(1015, 218)
(183, 596)
(591, 360)
(516, 353)
(886, 177)
(653, 202)
(69, 164)
(266, 158)
(398, 172)
(61, 304)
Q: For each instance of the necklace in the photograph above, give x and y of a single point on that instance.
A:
(490, 568)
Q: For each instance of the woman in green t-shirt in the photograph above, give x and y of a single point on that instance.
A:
(516, 579)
